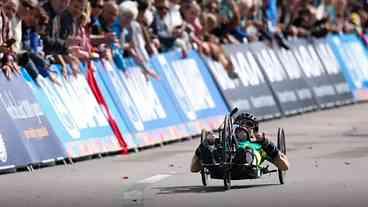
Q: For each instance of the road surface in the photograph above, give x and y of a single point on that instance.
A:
(328, 152)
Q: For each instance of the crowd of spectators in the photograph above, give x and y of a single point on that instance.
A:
(37, 33)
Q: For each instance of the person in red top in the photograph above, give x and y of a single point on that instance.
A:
(7, 55)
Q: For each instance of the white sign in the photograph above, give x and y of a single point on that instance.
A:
(308, 62)
(3, 151)
(328, 58)
(189, 76)
(271, 65)
(74, 104)
(124, 98)
(290, 63)
(143, 95)
(221, 76)
(247, 68)
(178, 89)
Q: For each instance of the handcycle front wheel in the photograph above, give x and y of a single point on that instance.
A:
(281, 145)
(204, 176)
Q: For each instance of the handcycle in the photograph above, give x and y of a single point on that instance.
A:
(227, 158)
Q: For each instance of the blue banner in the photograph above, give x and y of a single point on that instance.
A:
(38, 137)
(192, 89)
(74, 114)
(34, 131)
(149, 113)
(353, 59)
(13, 152)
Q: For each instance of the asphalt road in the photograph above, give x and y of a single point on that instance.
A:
(328, 151)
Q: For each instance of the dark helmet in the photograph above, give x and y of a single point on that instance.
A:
(247, 120)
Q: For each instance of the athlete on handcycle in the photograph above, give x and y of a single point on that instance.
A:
(247, 126)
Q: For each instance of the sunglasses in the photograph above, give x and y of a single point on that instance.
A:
(248, 124)
(26, 5)
(98, 6)
(162, 8)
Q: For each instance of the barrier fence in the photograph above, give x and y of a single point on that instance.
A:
(105, 109)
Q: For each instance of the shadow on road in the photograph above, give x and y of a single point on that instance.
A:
(202, 189)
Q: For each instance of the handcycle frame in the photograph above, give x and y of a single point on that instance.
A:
(226, 168)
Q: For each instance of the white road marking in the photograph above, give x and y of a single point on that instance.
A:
(154, 179)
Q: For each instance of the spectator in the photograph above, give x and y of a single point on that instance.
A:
(132, 38)
(53, 43)
(73, 23)
(191, 12)
(33, 59)
(24, 14)
(177, 38)
(71, 26)
(213, 49)
(98, 35)
(173, 17)
(145, 20)
(160, 28)
(228, 21)
(97, 7)
(108, 17)
(8, 57)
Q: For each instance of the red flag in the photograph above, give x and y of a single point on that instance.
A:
(101, 101)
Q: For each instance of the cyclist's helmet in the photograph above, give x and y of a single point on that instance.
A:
(247, 120)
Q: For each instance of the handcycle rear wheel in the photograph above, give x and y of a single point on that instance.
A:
(227, 180)
(204, 174)
(281, 145)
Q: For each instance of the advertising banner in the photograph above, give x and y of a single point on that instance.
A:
(13, 152)
(75, 115)
(315, 74)
(250, 93)
(334, 71)
(285, 78)
(38, 137)
(114, 113)
(144, 104)
(353, 59)
(192, 89)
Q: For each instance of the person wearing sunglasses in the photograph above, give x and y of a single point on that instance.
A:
(97, 8)
(247, 127)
